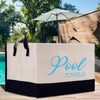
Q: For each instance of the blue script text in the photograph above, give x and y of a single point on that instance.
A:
(67, 64)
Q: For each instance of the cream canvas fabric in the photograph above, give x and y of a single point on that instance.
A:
(51, 63)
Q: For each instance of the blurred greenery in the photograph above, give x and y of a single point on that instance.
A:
(97, 49)
(47, 31)
(98, 5)
(70, 7)
(97, 46)
(8, 15)
(29, 9)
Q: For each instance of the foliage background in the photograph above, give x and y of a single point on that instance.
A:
(14, 23)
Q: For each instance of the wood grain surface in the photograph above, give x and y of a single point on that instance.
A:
(87, 28)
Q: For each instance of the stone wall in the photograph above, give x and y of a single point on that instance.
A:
(87, 26)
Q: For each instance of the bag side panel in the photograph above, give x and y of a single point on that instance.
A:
(70, 58)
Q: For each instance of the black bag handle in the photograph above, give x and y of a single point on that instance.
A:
(25, 43)
(73, 38)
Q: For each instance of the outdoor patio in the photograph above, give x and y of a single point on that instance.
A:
(57, 22)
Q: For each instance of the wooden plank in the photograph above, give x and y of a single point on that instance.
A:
(87, 26)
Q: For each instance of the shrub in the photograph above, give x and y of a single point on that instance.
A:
(97, 50)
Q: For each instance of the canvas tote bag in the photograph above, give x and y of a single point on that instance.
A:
(49, 69)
